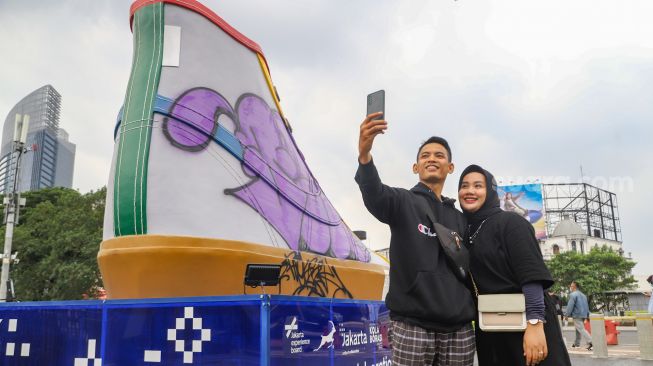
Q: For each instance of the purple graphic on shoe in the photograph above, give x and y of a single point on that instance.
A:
(282, 188)
(201, 107)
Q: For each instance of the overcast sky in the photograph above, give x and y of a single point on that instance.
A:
(525, 88)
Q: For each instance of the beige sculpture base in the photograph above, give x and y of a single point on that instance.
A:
(150, 266)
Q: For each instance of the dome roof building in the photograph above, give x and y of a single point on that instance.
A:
(568, 235)
(568, 227)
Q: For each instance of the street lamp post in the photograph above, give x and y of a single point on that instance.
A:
(13, 201)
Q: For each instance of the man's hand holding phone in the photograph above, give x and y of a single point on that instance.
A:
(372, 125)
(369, 129)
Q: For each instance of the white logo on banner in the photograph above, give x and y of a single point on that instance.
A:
(90, 356)
(180, 344)
(290, 327)
(327, 340)
(10, 348)
(384, 362)
(295, 337)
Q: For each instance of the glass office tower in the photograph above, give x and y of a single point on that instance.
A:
(51, 156)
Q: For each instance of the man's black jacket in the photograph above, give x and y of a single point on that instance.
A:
(423, 289)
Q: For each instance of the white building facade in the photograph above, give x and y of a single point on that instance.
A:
(570, 236)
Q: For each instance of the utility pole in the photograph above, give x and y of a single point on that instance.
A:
(12, 200)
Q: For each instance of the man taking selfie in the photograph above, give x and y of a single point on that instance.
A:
(431, 309)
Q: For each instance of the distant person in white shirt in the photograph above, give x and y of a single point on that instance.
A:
(650, 302)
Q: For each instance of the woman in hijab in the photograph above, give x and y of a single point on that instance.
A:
(505, 258)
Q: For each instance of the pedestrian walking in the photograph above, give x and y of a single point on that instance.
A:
(579, 310)
(650, 301)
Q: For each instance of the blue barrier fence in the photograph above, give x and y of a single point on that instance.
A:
(234, 330)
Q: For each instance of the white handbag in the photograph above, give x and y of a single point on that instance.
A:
(499, 312)
(502, 313)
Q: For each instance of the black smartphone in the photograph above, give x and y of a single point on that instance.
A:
(376, 103)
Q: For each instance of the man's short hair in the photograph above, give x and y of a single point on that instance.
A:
(576, 284)
(435, 140)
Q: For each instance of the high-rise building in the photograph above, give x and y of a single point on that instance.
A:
(51, 156)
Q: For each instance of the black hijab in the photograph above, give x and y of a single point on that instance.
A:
(491, 206)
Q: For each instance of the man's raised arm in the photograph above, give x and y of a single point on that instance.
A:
(369, 129)
(379, 199)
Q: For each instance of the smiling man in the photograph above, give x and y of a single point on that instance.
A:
(431, 309)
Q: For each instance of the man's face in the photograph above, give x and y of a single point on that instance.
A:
(572, 287)
(433, 164)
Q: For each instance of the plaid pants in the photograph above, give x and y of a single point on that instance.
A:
(416, 346)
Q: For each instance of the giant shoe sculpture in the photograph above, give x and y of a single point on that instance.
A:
(206, 176)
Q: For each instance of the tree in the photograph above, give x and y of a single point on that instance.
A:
(57, 240)
(598, 272)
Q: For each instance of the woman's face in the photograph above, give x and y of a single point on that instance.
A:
(472, 192)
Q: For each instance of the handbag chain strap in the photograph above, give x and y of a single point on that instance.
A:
(471, 242)
(473, 283)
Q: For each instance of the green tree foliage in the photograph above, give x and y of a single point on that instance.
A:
(57, 240)
(598, 272)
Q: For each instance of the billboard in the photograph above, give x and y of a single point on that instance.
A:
(527, 201)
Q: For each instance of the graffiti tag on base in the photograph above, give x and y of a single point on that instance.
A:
(314, 277)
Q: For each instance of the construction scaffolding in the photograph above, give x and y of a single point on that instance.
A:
(592, 208)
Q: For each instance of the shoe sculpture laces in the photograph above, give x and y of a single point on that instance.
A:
(206, 176)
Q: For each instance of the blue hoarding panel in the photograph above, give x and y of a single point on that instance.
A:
(214, 333)
(356, 334)
(363, 337)
(49, 335)
(297, 331)
(328, 332)
(383, 354)
(234, 330)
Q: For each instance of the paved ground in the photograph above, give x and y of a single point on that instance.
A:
(628, 346)
(589, 361)
(626, 353)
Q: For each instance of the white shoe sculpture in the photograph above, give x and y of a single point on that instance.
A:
(207, 178)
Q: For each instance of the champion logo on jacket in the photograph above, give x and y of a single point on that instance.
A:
(425, 230)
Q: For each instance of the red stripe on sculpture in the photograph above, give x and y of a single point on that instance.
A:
(199, 8)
